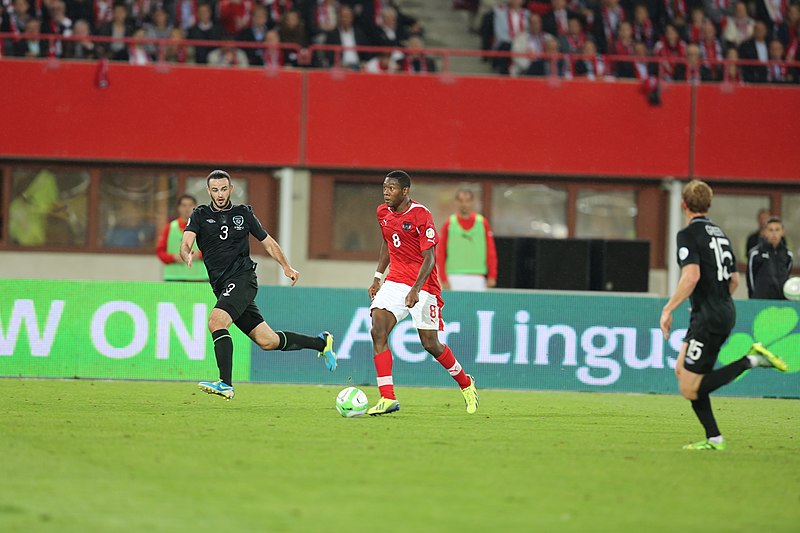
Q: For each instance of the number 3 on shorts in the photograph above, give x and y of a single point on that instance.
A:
(695, 350)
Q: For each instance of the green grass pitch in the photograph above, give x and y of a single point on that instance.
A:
(123, 456)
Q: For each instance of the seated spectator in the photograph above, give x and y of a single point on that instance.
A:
(772, 12)
(573, 40)
(642, 69)
(176, 51)
(348, 36)
(606, 24)
(643, 29)
(711, 50)
(389, 32)
(185, 13)
(415, 59)
(234, 16)
(788, 30)
(739, 27)
(18, 15)
(719, 10)
(530, 42)
(101, 13)
(57, 23)
(590, 64)
(292, 29)
(624, 46)
(693, 32)
(510, 20)
(272, 54)
(324, 19)
(370, 13)
(669, 48)
(276, 9)
(141, 12)
(778, 71)
(29, 47)
(227, 56)
(556, 22)
(732, 72)
(83, 48)
(675, 12)
(755, 48)
(204, 30)
(255, 33)
(118, 27)
(696, 70)
(381, 64)
(548, 66)
(158, 28)
(137, 51)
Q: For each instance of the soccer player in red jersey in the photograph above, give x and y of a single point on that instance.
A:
(412, 287)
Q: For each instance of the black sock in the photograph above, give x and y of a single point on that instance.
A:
(223, 350)
(722, 376)
(289, 340)
(702, 408)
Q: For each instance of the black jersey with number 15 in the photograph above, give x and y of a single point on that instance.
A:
(223, 237)
(704, 243)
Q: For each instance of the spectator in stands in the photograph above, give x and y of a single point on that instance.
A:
(348, 36)
(140, 12)
(137, 51)
(83, 10)
(204, 30)
(739, 27)
(548, 66)
(255, 33)
(757, 49)
(234, 16)
(158, 28)
(711, 51)
(382, 63)
(778, 71)
(693, 32)
(573, 40)
(624, 46)
(59, 24)
(227, 56)
(415, 60)
(530, 42)
(324, 18)
(769, 263)
(732, 72)
(388, 32)
(773, 13)
(606, 24)
(643, 29)
(718, 10)
(118, 27)
(18, 16)
(371, 12)
(591, 65)
(556, 22)
(28, 47)
(292, 29)
(510, 20)
(276, 9)
(185, 13)
(675, 12)
(696, 70)
(466, 255)
(273, 55)
(670, 48)
(83, 48)
(176, 51)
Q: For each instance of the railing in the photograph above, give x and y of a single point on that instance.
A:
(330, 56)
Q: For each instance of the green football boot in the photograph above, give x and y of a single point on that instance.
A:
(706, 445)
(767, 359)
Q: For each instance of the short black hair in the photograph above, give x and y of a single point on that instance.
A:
(183, 197)
(218, 175)
(775, 219)
(401, 176)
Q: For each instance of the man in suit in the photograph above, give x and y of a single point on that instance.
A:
(556, 22)
(255, 33)
(348, 36)
(755, 48)
(204, 30)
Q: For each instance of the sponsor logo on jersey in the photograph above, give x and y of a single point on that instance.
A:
(430, 233)
(238, 221)
(406, 226)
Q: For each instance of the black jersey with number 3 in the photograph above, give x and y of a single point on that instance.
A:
(223, 237)
(704, 243)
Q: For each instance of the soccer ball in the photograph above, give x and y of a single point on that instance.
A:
(351, 402)
(791, 289)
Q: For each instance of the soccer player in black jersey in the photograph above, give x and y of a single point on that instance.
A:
(222, 231)
(708, 278)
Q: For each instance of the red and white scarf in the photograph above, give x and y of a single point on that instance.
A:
(102, 12)
(609, 26)
(516, 22)
(777, 71)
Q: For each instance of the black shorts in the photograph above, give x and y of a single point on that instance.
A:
(238, 299)
(703, 349)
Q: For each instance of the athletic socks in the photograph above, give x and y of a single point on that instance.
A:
(702, 408)
(383, 367)
(290, 341)
(722, 376)
(223, 351)
(453, 367)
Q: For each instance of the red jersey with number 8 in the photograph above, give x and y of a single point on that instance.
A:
(407, 235)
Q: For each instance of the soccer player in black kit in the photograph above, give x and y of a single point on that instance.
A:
(222, 231)
(708, 277)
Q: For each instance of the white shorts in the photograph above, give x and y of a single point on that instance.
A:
(467, 282)
(392, 297)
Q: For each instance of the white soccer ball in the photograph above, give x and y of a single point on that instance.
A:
(351, 402)
(791, 289)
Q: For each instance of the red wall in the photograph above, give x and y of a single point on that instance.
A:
(328, 119)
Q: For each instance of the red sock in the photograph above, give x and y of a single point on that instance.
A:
(383, 366)
(448, 360)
